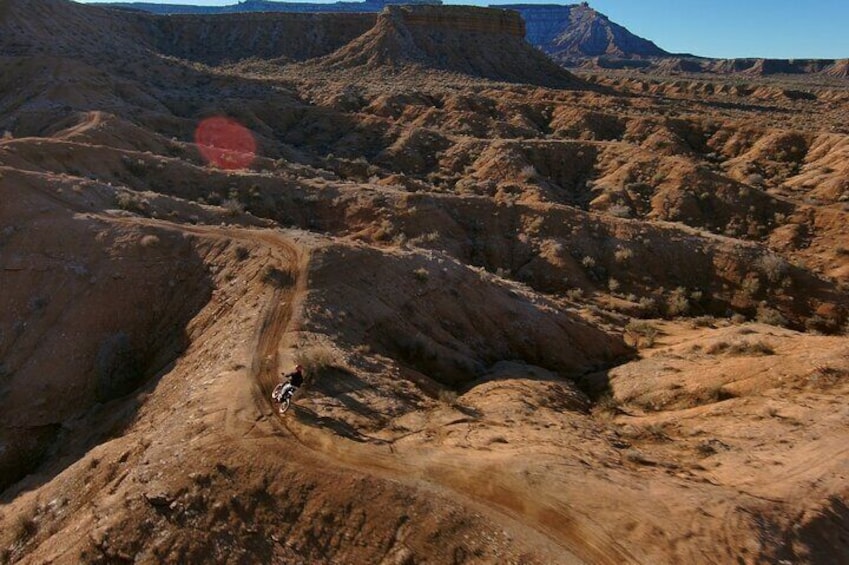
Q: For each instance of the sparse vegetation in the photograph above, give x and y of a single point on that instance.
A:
(623, 255)
(740, 348)
(448, 396)
(677, 303)
(315, 360)
(642, 333)
(772, 266)
(770, 316)
(277, 277)
(132, 202)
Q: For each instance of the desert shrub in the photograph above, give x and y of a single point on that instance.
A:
(710, 395)
(703, 322)
(754, 179)
(656, 431)
(277, 277)
(149, 240)
(623, 255)
(613, 284)
(24, 527)
(528, 172)
(678, 303)
(421, 274)
(588, 262)
(242, 253)
(648, 306)
(738, 318)
(448, 396)
(772, 266)
(131, 202)
(315, 360)
(751, 284)
(136, 167)
(642, 333)
(821, 324)
(233, 207)
(607, 404)
(740, 348)
(770, 316)
(575, 294)
(619, 210)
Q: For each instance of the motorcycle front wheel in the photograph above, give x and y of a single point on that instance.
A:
(284, 405)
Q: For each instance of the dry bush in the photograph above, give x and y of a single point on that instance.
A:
(315, 360)
(648, 306)
(421, 274)
(623, 255)
(607, 404)
(448, 396)
(528, 172)
(149, 241)
(233, 207)
(703, 322)
(770, 316)
(575, 294)
(772, 266)
(677, 303)
(709, 395)
(740, 348)
(641, 333)
(277, 278)
(24, 528)
(619, 210)
(131, 202)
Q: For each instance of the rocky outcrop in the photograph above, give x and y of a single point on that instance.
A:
(578, 30)
(482, 42)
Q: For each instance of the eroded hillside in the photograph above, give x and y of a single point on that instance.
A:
(545, 318)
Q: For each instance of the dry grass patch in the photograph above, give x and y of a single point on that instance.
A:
(754, 348)
(316, 360)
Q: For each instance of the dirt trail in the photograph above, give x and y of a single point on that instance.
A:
(91, 121)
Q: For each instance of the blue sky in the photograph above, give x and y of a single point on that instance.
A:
(781, 29)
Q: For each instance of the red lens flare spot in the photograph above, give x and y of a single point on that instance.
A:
(225, 143)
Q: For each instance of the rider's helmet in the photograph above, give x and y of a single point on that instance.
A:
(299, 368)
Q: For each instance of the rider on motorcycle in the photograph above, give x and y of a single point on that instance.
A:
(296, 379)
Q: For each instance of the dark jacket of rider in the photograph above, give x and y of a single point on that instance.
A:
(296, 377)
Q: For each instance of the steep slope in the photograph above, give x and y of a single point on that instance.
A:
(580, 31)
(475, 41)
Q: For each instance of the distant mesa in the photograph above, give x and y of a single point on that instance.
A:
(373, 6)
(482, 42)
(580, 31)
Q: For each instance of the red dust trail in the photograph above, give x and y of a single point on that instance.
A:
(225, 143)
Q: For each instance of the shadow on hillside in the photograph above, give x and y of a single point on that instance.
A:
(127, 367)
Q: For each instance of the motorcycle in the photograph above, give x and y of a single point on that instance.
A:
(282, 395)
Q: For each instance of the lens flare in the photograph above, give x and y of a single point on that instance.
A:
(225, 143)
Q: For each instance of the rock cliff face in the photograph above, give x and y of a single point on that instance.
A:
(41, 27)
(477, 41)
(580, 31)
(217, 38)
